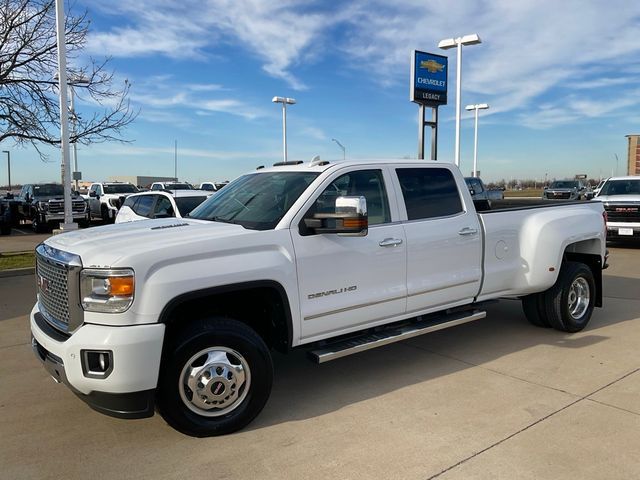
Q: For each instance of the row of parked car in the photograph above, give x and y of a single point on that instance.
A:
(43, 204)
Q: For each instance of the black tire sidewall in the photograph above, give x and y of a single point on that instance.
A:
(225, 333)
(558, 308)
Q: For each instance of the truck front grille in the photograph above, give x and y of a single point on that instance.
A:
(57, 207)
(558, 195)
(58, 293)
(623, 213)
(52, 292)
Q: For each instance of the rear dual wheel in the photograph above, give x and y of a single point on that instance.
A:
(568, 305)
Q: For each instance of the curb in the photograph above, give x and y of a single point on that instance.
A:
(15, 272)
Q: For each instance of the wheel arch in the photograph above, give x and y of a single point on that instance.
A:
(241, 301)
(589, 253)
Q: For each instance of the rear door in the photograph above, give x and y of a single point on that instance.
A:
(444, 240)
(349, 283)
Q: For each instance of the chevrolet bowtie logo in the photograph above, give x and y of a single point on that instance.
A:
(432, 66)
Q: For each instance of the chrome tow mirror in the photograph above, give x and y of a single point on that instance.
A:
(349, 219)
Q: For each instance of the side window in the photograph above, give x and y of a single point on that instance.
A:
(429, 192)
(163, 208)
(156, 186)
(366, 183)
(477, 186)
(144, 205)
(130, 202)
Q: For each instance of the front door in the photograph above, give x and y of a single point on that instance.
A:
(349, 283)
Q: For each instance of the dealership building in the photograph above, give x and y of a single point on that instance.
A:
(633, 155)
(141, 181)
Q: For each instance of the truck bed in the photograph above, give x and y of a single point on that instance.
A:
(521, 204)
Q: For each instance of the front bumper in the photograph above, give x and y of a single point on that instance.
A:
(55, 217)
(128, 391)
(623, 230)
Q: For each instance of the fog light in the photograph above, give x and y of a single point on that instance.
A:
(97, 363)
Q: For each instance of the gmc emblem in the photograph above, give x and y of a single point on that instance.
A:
(626, 209)
(43, 284)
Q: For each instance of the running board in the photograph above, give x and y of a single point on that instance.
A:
(368, 341)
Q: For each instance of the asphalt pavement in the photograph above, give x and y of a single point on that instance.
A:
(494, 399)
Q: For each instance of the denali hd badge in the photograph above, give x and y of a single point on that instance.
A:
(326, 293)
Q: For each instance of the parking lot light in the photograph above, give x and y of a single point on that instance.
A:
(284, 101)
(479, 106)
(458, 42)
(8, 166)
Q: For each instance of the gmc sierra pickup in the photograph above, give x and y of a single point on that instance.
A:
(181, 314)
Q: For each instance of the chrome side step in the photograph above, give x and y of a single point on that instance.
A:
(392, 334)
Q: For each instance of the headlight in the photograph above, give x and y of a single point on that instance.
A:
(44, 206)
(107, 290)
(114, 202)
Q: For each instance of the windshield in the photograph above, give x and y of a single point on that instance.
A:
(621, 187)
(178, 186)
(255, 201)
(124, 188)
(186, 204)
(49, 189)
(565, 184)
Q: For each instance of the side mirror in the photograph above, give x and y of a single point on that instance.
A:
(545, 187)
(93, 194)
(350, 218)
(27, 198)
(472, 191)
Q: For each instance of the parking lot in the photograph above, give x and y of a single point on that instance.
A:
(495, 399)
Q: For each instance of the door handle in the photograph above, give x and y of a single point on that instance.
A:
(390, 242)
(468, 231)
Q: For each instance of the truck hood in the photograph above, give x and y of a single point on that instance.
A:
(104, 246)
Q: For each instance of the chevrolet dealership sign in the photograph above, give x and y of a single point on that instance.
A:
(428, 78)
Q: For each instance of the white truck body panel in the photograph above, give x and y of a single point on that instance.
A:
(333, 284)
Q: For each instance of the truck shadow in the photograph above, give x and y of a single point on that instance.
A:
(305, 390)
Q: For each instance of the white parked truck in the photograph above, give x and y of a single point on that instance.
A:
(181, 314)
(106, 198)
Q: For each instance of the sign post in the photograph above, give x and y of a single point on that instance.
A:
(428, 89)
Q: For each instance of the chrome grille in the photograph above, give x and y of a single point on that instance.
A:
(57, 207)
(57, 276)
(52, 290)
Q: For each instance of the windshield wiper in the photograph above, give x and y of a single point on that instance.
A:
(223, 220)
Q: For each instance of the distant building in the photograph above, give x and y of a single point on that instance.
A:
(633, 155)
(140, 181)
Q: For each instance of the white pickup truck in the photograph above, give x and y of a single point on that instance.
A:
(181, 314)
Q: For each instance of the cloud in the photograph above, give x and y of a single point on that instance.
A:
(277, 33)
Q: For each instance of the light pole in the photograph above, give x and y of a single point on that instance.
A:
(284, 101)
(64, 117)
(458, 42)
(476, 107)
(8, 166)
(344, 150)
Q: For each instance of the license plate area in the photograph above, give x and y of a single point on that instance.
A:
(625, 231)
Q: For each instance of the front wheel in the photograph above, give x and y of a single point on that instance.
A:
(36, 224)
(216, 377)
(570, 302)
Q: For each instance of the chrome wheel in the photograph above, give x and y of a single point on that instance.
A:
(579, 297)
(214, 381)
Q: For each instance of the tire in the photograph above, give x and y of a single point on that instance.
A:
(234, 353)
(570, 302)
(36, 225)
(105, 215)
(534, 309)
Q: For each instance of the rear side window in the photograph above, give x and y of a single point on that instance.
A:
(130, 202)
(144, 204)
(429, 192)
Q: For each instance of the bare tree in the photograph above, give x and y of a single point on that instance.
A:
(29, 107)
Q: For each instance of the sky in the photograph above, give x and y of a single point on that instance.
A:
(561, 79)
